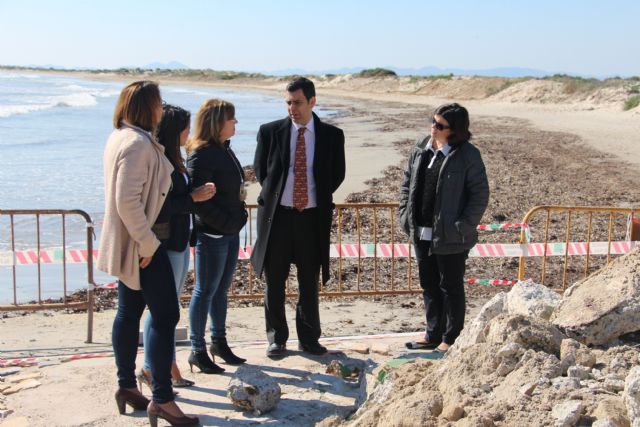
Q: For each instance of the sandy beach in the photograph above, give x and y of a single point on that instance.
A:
(534, 153)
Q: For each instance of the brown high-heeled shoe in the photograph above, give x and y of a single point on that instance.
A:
(125, 397)
(154, 411)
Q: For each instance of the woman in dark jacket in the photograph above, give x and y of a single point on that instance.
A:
(172, 134)
(218, 223)
(442, 199)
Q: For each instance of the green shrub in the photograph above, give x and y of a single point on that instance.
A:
(376, 72)
(631, 102)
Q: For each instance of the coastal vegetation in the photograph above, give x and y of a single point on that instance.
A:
(632, 102)
(376, 72)
(557, 88)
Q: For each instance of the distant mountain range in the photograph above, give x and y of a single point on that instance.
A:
(423, 71)
(171, 65)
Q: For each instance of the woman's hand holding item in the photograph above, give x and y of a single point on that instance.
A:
(204, 192)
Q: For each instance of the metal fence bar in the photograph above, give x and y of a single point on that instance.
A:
(65, 304)
(589, 211)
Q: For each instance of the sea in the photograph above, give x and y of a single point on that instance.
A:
(53, 128)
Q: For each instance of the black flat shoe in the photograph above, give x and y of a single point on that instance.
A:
(420, 345)
(313, 348)
(201, 360)
(276, 351)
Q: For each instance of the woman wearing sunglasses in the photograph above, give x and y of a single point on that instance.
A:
(444, 194)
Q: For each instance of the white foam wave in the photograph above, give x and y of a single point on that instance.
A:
(71, 100)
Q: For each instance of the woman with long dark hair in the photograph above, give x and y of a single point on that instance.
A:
(444, 194)
(137, 179)
(172, 134)
(218, 222)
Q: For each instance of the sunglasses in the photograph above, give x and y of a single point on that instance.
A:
(439, 125)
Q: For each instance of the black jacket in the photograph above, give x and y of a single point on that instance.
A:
(181, 207)
(224, 213)
(271, 165)
(462, 196)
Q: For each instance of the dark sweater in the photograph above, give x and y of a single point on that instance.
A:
(427, 184)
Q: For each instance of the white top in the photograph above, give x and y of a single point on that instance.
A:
(310, 144)
(426, 233)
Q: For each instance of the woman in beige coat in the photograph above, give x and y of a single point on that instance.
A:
(137, 178)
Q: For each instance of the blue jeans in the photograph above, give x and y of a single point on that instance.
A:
(216, 260)
(159, 294)
(180, 266)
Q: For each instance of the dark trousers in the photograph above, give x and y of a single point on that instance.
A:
(159, 294)
(442, 282)
(293, 239)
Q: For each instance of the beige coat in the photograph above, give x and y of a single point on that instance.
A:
(137, 179)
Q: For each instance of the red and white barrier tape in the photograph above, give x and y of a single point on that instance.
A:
(386, 250)
(18, 362)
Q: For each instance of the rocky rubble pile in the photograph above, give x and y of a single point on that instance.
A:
(530, 358)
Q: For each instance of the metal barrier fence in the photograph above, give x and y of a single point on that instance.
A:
(619, 225)
(39, 256)
(369, 253)
(370, 231)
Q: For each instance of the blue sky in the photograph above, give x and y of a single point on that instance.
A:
(591, 38)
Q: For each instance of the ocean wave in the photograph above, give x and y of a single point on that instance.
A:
(72, 100)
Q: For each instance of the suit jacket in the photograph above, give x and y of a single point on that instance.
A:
(271, 165)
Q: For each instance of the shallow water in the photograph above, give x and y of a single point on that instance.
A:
(53, 129)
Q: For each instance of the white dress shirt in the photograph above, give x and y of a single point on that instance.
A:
(310, 144)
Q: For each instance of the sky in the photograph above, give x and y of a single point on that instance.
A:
(588, 37)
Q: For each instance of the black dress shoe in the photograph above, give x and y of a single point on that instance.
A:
(313, 348)
(276, 350)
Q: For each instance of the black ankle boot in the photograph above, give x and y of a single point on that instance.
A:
(202, 361)
(220, 348)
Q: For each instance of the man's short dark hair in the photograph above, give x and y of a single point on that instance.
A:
(303, 83)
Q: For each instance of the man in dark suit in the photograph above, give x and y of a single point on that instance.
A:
(299, 163)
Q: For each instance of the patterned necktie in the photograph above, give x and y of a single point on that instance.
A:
(300, 197)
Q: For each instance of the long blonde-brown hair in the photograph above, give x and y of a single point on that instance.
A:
(136, 105)
(209, 123)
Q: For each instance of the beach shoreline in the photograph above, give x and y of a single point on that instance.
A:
(535, 154)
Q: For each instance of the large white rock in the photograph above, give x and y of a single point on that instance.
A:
(631, 395)
(567, 413)
(473, 333)
(252, 390)
(532, 299)
(529, 332)
(604, 306)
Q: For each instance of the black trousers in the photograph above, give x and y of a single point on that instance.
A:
(293, 239)
(442, 282)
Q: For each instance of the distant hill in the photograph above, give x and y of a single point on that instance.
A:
(171, 65)
(425, 71)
